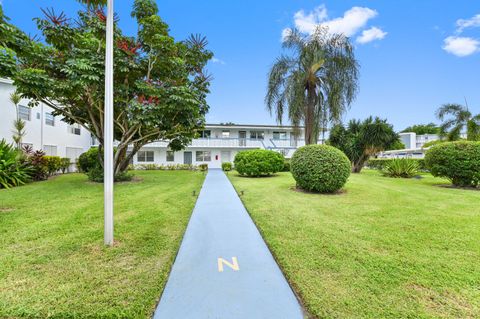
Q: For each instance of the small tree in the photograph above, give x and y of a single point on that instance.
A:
(460, 118)
(18, 124)
(160, 85)
(361, 140)
(421, 129)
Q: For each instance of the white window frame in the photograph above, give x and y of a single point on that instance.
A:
(170, 156)
(24, 113)
(280, 134)
(203, 156)
(205, 134)
(49, 119)
(74, 129)
(257, 135)
(144, 156)
(225, 133)
(50, 150)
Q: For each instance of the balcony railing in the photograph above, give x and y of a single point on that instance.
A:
(238, 143)
(287, 143)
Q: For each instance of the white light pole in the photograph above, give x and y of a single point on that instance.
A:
(108, 130)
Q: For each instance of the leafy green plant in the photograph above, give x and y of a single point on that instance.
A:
(37, 162)
(257, 163)
(227, 166)
(12, 171)
(458, 161)
(53, 163)
(286, 166)
(381, 163)
(320, 168)
(203, 167)
(64, 164)
(88, 160)
(401, 167)
(360, 140)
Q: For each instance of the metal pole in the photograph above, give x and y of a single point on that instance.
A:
(108, 127)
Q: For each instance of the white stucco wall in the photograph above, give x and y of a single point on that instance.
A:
(37, 132)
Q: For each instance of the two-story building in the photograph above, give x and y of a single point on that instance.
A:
(221, 142)
(43, 131)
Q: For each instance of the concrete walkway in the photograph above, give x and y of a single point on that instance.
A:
(223, 268)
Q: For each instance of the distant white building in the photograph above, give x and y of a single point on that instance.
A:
(43, 130)
(414, 141)
(220, 143)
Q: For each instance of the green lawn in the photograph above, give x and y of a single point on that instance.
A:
(52, 259)
(387, 248)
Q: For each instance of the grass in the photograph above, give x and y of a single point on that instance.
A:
(52, 259)
(386, 248)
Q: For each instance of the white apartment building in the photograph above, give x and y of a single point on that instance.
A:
(414, 141)
(220, 143)
(43, 130)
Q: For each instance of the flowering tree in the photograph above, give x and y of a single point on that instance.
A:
(160, 86)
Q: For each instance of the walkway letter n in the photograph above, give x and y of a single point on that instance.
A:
(233, 264)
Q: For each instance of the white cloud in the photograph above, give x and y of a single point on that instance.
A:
(215, 60)
(352, 22)
(461, 46)
(468, 23)
(370, 35)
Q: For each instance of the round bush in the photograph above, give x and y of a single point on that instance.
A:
(457, 161)
(89, 160)
(320, 168)
(258, 162)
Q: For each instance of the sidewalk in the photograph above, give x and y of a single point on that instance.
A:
(223, 268)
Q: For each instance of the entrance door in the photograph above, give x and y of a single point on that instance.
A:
(242, 135)
(225, 156)
(187, 158)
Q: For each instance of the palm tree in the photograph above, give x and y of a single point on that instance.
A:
(316, 83)
(460, 118)
(18, 124)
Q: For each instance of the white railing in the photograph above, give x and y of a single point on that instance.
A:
(220, 142)
(287, 143)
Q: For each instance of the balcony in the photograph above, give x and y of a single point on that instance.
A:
(238, 143)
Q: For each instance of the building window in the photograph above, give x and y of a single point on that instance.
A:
(49, 119)
(170, 156)
(257, 135)
(24, 112)
(225, 134)
(205, 134)
(203, 156)
(50, 150)
(74, 129)
(38, 116)
(279, 135)
(145, 156)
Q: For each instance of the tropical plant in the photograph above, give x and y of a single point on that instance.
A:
(256, 163)
(401, 167)
(12, 171)
(316, 84)
(37, 162)
(460, 119)
(362, 139)
(397, 145)
(226, 166)
(421, 129)
(320, 168)
(381, 163)
(53, 163)
(160, 84)
(458, 161)
(18, 123)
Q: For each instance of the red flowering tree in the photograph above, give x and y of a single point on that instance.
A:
(160, 86)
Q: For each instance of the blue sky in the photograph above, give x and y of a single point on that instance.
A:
(414, 55)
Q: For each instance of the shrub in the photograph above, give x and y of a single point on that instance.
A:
(320, 168)
(381, 163)
(401, 167)
(96, 175)
(457, 161)
(258, 162)
(286, 166)
(64, 164)
(88, 160)
(12, 171)
(203, 167)
(227, 166)
(37, 162)
(53, 164)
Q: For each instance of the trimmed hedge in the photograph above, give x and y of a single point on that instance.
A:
(381, 163)
(258, 162)
(320, 168)
(457, 161)
(227, 166)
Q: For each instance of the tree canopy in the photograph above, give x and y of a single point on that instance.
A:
(315, 83)
(421, 129)
(160, 85)
(456, 118)
(361, 139)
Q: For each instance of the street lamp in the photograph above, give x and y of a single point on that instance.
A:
(108, 130)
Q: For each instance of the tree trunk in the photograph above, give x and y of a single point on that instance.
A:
(309, 117)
